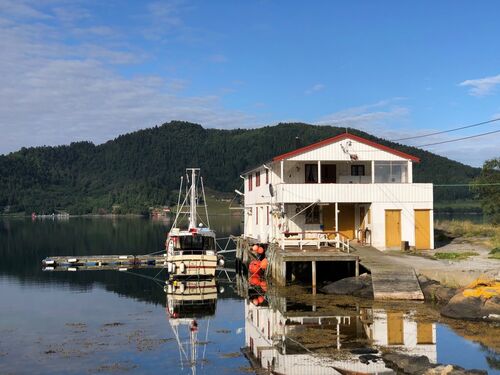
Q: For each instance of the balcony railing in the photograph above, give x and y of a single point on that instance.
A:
(314, 238)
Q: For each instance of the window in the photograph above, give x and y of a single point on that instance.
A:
(391, 171)
(311, 173)
(257, 178)
(196, 242)
(267, 176)
(250, 182)
(357, 170)
(328, 173)
(312, 215)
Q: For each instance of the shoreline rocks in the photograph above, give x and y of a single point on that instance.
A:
(420, 365)
(355, 286)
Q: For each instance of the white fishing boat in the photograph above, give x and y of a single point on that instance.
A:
(192, 250)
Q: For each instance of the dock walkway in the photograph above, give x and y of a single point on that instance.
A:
(390, 280)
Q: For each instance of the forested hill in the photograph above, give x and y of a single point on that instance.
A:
(138, 170)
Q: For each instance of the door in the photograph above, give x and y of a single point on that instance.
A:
(395, 333)
(424, 333)
(329, 217)
(392, 228)
(328, 173)
(422, 229)
(346, 220)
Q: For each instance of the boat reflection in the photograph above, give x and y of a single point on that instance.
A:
(289, 338)
(190, 306)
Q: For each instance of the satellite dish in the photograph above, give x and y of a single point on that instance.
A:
(271, 190)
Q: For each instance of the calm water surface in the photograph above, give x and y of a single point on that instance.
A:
(117, 322)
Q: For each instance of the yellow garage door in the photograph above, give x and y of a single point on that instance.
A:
(422, 229)
(346, 220)
(392, 228)
(395, 333)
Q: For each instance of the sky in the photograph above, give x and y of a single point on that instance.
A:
(92, 70)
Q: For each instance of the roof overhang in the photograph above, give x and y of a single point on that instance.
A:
(340, 138)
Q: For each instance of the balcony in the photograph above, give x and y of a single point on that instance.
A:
(352, 193)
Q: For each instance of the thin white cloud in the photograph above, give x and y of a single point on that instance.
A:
(369, 115)
(55, 93)
(482, 86)
(315, 88)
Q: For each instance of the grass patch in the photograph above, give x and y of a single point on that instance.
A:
(468, 229)
(495, 253)
(455, 256)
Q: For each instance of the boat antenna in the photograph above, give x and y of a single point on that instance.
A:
(192, 205)
(178, 204)
(205, 201)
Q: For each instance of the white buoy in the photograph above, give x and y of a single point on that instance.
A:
(48, 269)
(182, 287)
(170, 288)
(221, 262)
(169, 267)
(122, 269)
(123, 257)
(72, 260)
(72, 269)
(49, 262)
(182, 268)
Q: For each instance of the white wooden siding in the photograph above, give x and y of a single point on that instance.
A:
(333, 151)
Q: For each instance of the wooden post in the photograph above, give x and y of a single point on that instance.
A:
(357, 267)
(373, 171)
(313, 266)
(337, 224)
(282, 172)
(319, 171)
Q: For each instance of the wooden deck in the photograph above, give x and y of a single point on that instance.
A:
(391, 281)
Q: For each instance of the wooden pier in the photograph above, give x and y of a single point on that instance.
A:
(390, 280)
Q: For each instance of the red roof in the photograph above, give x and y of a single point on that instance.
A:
(339, 138)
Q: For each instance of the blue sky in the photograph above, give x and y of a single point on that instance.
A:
(91, 70)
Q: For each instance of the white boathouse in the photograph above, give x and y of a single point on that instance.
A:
(345, 188)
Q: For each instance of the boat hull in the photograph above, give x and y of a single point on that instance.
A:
(192, 265)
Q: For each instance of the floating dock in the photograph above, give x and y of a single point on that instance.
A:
(103, 262)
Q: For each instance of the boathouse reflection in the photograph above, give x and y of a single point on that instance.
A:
(285, 338)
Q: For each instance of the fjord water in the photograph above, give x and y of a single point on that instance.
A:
(116, 322)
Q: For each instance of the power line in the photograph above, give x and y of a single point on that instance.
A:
(447, 131)
(459, 139)
(471, 184)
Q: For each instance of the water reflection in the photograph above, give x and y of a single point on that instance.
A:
(187, 303)
(285, 337)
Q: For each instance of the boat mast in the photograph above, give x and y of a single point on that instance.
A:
(193, 202)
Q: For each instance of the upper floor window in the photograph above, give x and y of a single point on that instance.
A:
(357, 170)
(267, 176)
(311, 173)
(328, 173)
(250, 182)
(257, 178)
(391, 171)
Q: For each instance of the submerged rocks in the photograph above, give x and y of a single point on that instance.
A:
(420, 365)
(407, 364)
(356, 286)
(472, 308)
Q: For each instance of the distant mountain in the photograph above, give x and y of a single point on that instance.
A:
(141, 169)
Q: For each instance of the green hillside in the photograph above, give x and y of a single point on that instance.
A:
(141, 169)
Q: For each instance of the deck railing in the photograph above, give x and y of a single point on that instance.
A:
(316, 239)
